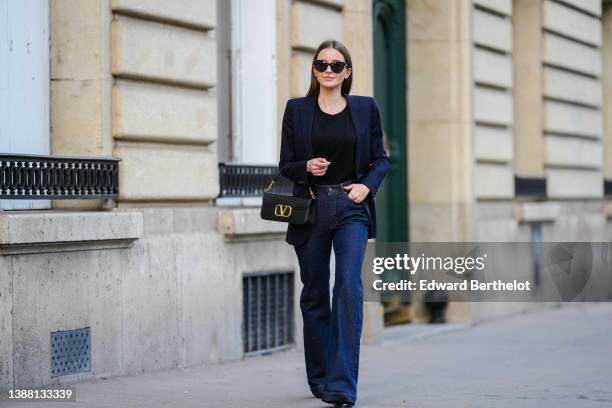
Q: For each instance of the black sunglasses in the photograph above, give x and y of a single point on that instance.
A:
(336, 66)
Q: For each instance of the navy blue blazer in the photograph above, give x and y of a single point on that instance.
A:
(371, 160)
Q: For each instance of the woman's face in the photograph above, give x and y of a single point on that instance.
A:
(330, 79)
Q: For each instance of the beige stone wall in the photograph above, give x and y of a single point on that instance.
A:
(164, 120)
(439, 113)
(607, 87)
(358, 37)
(499, 88)
(135, 79)
(493, 176)
(545, 119)
(528, 109)
(80, 77)
(572, 117)
(558, 100)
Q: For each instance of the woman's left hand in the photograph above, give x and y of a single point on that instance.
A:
(357, 192)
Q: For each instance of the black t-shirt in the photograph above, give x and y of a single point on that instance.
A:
(333, 137)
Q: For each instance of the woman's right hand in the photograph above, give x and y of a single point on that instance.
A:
(317, 166)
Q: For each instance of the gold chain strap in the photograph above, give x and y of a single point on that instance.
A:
(267, 189)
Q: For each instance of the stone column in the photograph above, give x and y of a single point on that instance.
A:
(528, 104)
(79, 34)
(439, 119)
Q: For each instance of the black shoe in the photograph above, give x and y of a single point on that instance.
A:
(343, 405)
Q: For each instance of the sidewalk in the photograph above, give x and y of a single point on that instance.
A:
(549, 358)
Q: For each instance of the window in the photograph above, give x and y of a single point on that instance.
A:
(247, 81)
(246, 86)
(24, 84)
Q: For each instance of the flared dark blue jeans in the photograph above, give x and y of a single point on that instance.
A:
(332, 335)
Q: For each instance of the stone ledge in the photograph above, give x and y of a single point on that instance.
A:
(242, 222)
(44, 227)
(536, 211)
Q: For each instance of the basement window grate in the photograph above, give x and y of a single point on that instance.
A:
(267, 312)
(70, 352)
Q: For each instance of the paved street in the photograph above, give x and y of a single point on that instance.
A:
(548, 358)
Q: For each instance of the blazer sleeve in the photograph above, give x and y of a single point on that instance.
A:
(379, 161)
(290, 167)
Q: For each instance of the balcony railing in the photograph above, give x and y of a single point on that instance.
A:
(530, 187)
(243, 180)
(37, 177)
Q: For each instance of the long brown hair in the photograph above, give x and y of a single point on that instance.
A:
(346, 83)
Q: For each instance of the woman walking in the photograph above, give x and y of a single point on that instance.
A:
(333, 142)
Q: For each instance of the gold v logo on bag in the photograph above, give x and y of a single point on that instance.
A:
(282, 210)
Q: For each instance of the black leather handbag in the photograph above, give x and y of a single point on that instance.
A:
(286, 208)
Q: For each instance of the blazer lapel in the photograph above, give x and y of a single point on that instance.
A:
(307, 118)
(360, 136)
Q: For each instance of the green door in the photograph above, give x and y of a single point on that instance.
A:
(390, 93)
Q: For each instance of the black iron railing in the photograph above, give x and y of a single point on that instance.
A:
(242, 180)
(530, 187)
(31, 177)
(608, 188)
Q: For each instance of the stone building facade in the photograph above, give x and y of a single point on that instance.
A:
(499, 94)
